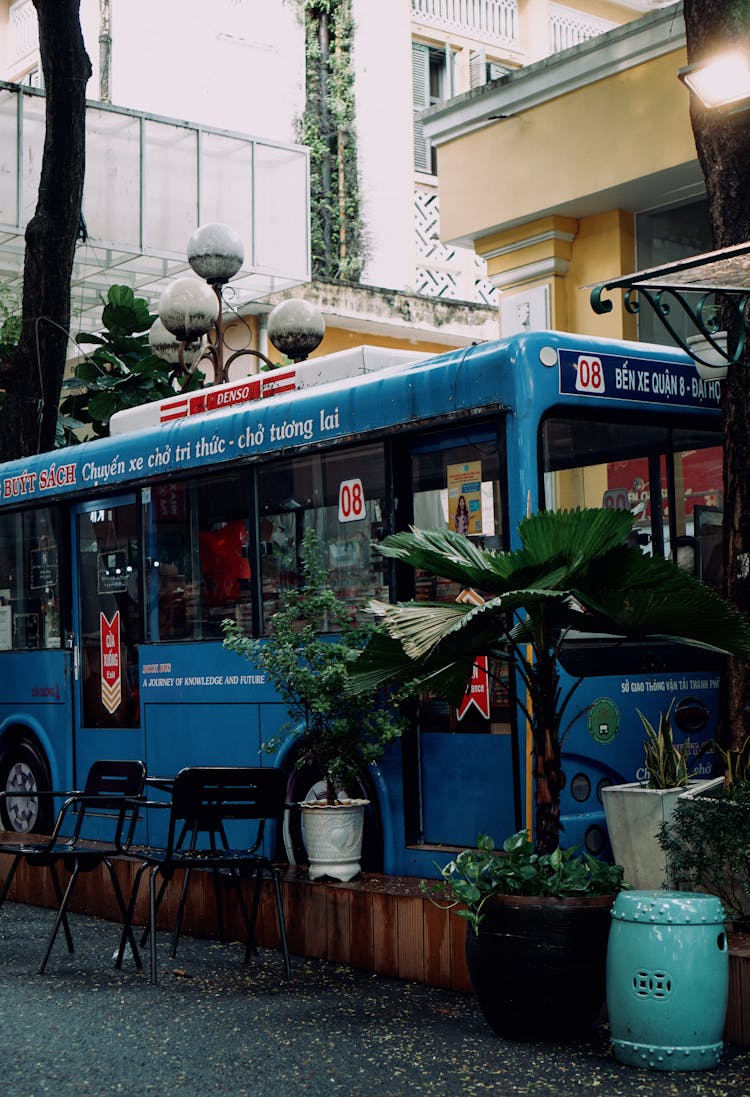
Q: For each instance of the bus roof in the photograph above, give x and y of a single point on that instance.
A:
(527, 374)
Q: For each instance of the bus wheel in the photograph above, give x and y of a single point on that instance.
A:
(307, 784)
(22, 773)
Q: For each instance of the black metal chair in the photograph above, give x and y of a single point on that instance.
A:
(109, 801)
(208, 805)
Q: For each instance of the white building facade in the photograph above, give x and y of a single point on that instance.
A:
(239, 66)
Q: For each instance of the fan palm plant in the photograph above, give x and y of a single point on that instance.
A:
(575, 571)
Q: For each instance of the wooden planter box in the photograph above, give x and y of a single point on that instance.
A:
(378, 923)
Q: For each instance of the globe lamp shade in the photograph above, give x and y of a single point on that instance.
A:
(166, 346)
(215, 252)
(188, 308)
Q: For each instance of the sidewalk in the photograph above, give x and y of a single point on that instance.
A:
(213, 1026)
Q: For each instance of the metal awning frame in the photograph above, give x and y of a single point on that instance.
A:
(712, 290)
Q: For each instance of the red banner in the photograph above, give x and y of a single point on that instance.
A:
(478, 691)
(109, 639)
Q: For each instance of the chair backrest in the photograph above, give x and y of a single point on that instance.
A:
(205, 797)
(111, 791)
(110, 780)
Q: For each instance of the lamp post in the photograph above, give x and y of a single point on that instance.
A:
(190, 309)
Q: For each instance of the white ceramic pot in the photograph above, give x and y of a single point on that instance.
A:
(333, 838)
(634, 816)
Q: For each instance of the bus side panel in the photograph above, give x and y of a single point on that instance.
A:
(462, 805)
(605, 743)
(37, 705)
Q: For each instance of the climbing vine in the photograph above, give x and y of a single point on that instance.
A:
(327, 128)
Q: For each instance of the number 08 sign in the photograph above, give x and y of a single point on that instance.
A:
(590, 375)
(352, 507)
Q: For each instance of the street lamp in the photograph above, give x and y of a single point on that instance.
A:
(190, 308)
(721, 84)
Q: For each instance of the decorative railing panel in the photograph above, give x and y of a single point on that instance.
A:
(441, 268)
(568, 27)
(489, 20)
(24, 30)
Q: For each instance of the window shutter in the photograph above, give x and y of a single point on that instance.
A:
(477, 68)
(420, 68)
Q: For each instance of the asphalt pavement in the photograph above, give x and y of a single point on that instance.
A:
(215, 1026)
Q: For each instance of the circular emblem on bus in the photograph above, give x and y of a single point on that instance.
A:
(603, 720)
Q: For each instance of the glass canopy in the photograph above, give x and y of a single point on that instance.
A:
(149, 183)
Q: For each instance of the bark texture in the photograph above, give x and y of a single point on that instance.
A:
(723, 146)
(32, 378)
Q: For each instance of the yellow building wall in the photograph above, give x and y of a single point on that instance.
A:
(604, 248)
(342, 339)
(242, 334)
(566, 150)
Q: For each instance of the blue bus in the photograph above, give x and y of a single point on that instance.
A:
(121, 557)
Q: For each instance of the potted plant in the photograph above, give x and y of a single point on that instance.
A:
(707, 840)
(636, 811)
(532, 912)
(313, 642)
(574, 570)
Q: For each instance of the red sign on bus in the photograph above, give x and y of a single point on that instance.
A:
(109, 638)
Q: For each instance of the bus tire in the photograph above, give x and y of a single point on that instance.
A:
(23, 771)
(307, 784)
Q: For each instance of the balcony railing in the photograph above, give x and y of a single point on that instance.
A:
(568, 27)
(491, 21)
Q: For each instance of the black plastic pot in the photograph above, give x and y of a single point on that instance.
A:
(538, 965)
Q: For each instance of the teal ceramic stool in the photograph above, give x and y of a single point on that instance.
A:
(667, 979)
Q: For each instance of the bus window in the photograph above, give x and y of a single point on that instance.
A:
(664, 477)
(29, 580)
(456, 485)
(342, 496)
(698, 479)
(200, 571)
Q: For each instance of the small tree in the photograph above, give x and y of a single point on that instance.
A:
(31, 373)
(121, 372)
(340, 733)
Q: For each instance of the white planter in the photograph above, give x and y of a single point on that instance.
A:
(634, 816)
(333, 838)
(716, 370)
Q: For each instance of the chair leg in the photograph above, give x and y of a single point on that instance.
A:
(282, 923)
(250, 945)
(60, 915)
(152, 919)
(164, 885)
(9, 878)
(180, 913)
(61, 906)
(127, 928)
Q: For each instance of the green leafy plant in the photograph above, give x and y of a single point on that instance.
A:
(477, 875)
(341, 733)
(575, 570)
(665, 761)
(121, 372)
(736, 764)
(707, 844)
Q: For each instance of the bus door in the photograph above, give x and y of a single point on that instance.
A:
(461, 764)
(107, 631)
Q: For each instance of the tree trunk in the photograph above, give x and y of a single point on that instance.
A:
(32, 378)
(723, 144)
